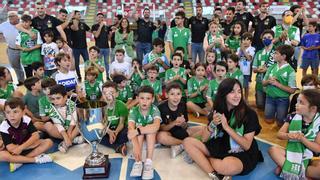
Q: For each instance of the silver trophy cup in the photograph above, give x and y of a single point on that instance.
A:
(92, 123)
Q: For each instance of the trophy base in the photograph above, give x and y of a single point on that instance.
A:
(99, 171)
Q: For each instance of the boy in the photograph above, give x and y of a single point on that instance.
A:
(246, 54)
(117, 112)
(65, 75)
(91, 88)
(143, 124)
(233, 70)
(157, 58)
(119, 66)
(124, 90)
(310, 44)
(38, 70)
(63, 114)
(30, 48)
(94, 61)
(152, 81)
(48, 50)
(280, 83)
(20, 137)
(44, 102)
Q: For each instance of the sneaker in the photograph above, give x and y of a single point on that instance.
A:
(136, 169)
(187, 158)
(14, 166)
(214, 176)
(43, 158)
(62, 147)
(176, 150)
(226, 178)
(147, 171)
(78, 140)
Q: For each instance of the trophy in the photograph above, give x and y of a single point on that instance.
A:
(92, 123)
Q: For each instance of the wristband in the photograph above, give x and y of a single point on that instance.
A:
(139, 132)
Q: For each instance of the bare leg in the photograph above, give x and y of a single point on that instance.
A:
(304, 72)
(39, 126)
(278, 155)
(52, 130)
(7, 157)
(313, 169)
(228, 166)
(44, 145)
(151, 140)
(74, 133)
(165, 137)
(137, 147)
(315, 71)
(195, 108)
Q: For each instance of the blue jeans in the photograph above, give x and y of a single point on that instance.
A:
(142, 49)
(260, 99)
(122, 138)
(76, 54)
(276, 107)
(197, 50)
(105, 54)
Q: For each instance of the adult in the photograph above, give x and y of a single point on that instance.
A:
(242, 14)
(65, 20)
(114, 27)
(198, 26)
(124, 39)
(145, 27)
(185, 21)
(262, 22)
(218, 11)
(233, 124)
(228, 23)
(100, 30)
(9, 32)
(78, 40)
(300, 19)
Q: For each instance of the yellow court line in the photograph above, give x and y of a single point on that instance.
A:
(124, 167)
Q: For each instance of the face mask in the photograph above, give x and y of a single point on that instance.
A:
(308, 87)
(267, 42)
(288, 19)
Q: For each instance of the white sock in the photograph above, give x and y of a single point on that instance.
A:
(148, 161)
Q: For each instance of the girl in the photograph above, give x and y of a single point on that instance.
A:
(7, 89)
(92, 87)
(211, 61)
(213, 40)
(197, 89)
(233, 70)
(63, 47)
(124, 39)
(137, 75)
(233, 41)
(302, 132)
(232, 149)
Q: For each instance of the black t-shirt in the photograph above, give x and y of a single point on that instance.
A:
(198, 28)
(78, 38)
(145, 30)
(102, 39)
(245, 18)
(47, 23)
(168, 116)
(227, 28)
(185, 23)
(299, 24)
(261, 25)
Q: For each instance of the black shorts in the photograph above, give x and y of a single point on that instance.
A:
(201, 105)
(179, 132)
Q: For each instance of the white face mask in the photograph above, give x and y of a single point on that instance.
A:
(308, 87)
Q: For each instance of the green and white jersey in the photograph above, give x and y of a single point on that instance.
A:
(119, 110)
(236, 75)
(293, 34)
(217, 46)
(135, 81)
(136, 116)
(180, 38)
(233, 43)
(285, 75)
(100, 63)
(93, 91)
(125, 94)
(6, 93)
(44, 106)
(156, 85)
(171, 73)
(151, 57)
(212, 90)
(193, 86)
(25, 41)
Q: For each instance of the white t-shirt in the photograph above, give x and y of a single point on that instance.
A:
(10, 33)
(68, 80)
(245, 65)
(49, 51)
(122, 68)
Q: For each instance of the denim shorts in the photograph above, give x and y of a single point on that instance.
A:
(276, 108)
(246, 80)
(314, 63)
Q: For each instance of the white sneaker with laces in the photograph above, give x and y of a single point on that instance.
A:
(43, 158)
(136, 169)
(147, 171)
(78, 140)
(176, 150)
(14, 166)
(187, 158)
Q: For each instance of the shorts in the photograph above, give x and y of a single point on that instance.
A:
(246, 80)
(314, 63)
(276, 108)
(179, 132)
(201, 105)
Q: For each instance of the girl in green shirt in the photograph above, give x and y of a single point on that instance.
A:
(6, 86)
(233, 41)
(137, 75)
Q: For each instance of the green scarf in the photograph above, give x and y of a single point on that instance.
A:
(65, 122)
(297, 155)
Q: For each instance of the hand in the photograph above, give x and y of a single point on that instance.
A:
(296, 136)
(283, 36)
(68, 142)
(176, 77)
(17, 150)
(112, 137)
(132, 133)
(216, 118)
(273, 81)
(125, 36)
(32, 35)
(224, 122)
(180, 120)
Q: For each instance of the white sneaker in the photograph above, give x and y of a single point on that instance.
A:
(43, 158)
(214, 176)
(136, 169)
(14, 166)
(187, 158)
(78, 140)
(227, 178)
(147, 171)
(176, 150)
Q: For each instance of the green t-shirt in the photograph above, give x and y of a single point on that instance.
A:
(135, 81)
(212, 90)
(120, 110)
(156, 85)
(236, 75)
(125, 94)
(93, 91)
(6, 93)
(233, 43)
(171, 73)
(285, 75)
(44, 106)
(194, 86)
(100, 63)
(25, 41)
(180, 38)
(141, 120)
(292, 33)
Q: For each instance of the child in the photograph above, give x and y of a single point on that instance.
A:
(119, 66)
(185, 64)
(310, 43)
(48, 50)
(233, 70)
(6, 86)
(92, 87)
(30, 48)
(152, 81)
(44, 102)
(65, 75)
(280, 83)
(63, 47)
(220, 70)
(143, 124)
(302, 132)
(136, 75)
(63, 114)
(210, 63)
(20, 138)
(94, 61)
(213, 40)
(246, 54)
(177, 73)
(233, 41)
(117, 112)
(157, 58)
(197, 89)
(263, 59)
(38, 70)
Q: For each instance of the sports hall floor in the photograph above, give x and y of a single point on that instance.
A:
(69, 166)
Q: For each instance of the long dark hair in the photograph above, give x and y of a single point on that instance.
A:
(121, 28)
(220, 103)
(243, 28)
